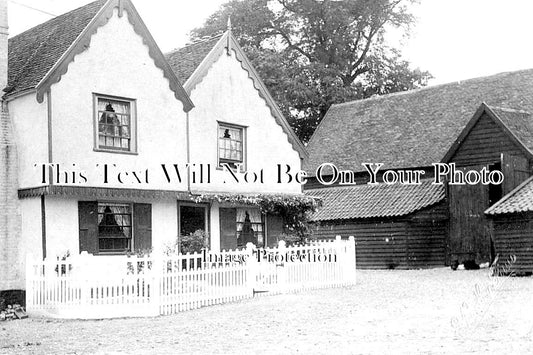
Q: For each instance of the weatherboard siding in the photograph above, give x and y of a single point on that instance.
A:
(414, 241)
(513, 235)
(484, 144)
(378, 244)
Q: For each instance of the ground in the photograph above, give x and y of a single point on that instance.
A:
(437, 311)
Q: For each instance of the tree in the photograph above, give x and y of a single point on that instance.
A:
(313, 53)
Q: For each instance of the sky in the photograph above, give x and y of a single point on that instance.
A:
(453, 39)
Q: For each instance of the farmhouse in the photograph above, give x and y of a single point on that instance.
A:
(89, 90)
(477, 124)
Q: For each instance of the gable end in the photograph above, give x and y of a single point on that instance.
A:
(83, 42)
(484, 139)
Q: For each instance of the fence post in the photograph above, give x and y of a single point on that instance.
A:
(281, 270)
(251, 278)
(340, 254)
(83, 279)
(352, 261)
(156, 281)
(29, 281)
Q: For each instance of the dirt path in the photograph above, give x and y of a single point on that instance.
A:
(400, 312)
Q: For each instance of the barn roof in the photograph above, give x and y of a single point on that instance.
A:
(414, 128)
(184, 61)
(374, 201)
(516, 201)
(517, 124)
(38, 57)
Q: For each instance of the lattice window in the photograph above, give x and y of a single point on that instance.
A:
(114, 124)
(114, 227)
(230, 145)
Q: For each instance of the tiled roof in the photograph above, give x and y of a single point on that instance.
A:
(518, 200)
(373, 201)
(34, 52)
(184, 61)
(414, 128)
(520, 123)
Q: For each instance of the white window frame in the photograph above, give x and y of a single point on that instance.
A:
(132, 238)
(133, 124)
(221, 124)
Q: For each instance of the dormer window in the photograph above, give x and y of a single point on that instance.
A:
(115, 124)
(230, 144)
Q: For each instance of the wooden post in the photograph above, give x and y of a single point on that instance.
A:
(281, 270)
(156, 283)
(351, 255)
(251, 268)
(29, 282)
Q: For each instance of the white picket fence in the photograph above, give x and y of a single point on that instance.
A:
(93, 287)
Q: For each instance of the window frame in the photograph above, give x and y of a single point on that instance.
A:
(133, 124)
(256, 233)
(244, 144)
(132, 221)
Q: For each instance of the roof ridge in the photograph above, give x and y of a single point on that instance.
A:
(199, 41)
(431, 87)
(508, 109)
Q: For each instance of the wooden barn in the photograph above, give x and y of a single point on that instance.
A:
(395, 226)
(512, 220)
(415, 129)
(494, 139)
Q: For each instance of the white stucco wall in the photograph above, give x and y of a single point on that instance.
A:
(30, 241)
(164, 224)
(62, 231)
(117, 63)
(62, 225)
(227, 94)
(31, 133)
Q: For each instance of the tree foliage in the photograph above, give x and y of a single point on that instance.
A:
(313, 53)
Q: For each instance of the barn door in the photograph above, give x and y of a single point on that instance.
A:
(469, 228)
(228, 228)
(515, 169)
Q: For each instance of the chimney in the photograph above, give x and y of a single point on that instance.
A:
(3, 45)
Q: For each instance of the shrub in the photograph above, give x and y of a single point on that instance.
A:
(194, 242)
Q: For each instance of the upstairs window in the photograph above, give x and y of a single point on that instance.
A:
(230, 145)
(115, 124)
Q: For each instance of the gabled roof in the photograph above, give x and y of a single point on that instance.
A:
(414, 128)
(516, 201)
(191, 55)
(516, 124)
(374, 201)
(34, 52)
(40, 56)
(184, 61)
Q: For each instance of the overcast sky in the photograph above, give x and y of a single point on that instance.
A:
(453, 39)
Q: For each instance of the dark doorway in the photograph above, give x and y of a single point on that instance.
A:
(192, 218)
(495, 191)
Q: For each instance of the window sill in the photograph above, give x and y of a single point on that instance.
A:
(126, 152)
(111, 253)
(242, 170)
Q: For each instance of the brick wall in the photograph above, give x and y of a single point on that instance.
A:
(10, 271)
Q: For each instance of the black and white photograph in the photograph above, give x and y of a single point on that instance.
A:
(266, 177)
